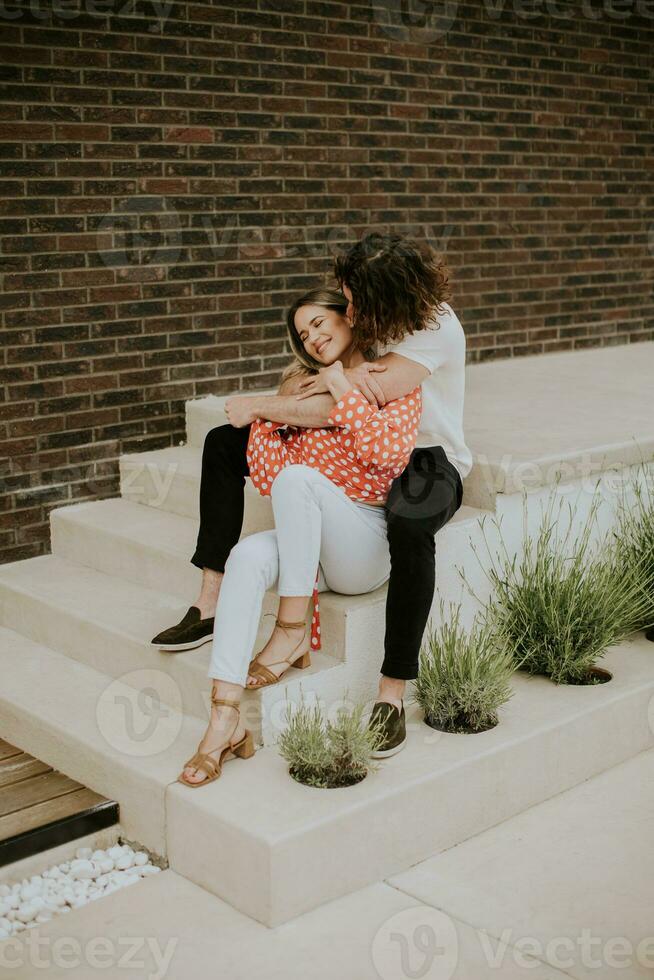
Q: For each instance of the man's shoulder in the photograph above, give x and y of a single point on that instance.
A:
(443, 315)
(444, 324)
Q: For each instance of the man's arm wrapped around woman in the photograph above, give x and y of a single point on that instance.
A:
(382, 437)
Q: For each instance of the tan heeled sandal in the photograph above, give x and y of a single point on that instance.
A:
(267, 676)
(213, 767)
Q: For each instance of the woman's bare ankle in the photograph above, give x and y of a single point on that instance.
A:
(225, 716)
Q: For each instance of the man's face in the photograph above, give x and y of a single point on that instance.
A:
(349, 313)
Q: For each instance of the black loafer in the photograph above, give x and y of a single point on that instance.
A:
(394, 726)
(190, 632)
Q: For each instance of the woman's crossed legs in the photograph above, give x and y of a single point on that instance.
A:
(315, 522)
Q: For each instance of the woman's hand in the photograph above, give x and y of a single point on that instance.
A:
(357, 377)
(332, 374)
(330, 378)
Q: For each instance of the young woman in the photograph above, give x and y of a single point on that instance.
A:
(328, 486)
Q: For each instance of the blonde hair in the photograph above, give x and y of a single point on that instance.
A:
(303, 363)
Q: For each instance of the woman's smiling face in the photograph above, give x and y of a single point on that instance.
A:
(325, 334)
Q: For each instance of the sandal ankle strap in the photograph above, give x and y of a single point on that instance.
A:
(229, 701)
(279, 622)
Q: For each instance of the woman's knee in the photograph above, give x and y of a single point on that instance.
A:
(253, 554)
(293, 477)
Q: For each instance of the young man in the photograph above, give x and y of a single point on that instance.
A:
(397, 291)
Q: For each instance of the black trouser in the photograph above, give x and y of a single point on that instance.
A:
(421, 500)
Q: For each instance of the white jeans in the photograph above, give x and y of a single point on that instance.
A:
(317, 526)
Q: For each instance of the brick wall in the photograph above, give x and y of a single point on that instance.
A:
(170, 182)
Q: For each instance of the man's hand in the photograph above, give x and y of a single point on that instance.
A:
(240, 410)
(360, 377)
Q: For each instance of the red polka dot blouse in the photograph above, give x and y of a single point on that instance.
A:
(363, 450)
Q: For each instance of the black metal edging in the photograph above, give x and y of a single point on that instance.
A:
(40, 839)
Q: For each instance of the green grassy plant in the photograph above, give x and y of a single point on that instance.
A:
(634, 542)
(464, 677)
(565, 600)
(329, 753)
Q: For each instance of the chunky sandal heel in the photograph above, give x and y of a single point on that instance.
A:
(206, 762)
(245, 748)
(266, 676)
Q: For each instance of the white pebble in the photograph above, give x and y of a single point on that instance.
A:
(81, 869)
(30, 891)
(26, 912)
(90, 875)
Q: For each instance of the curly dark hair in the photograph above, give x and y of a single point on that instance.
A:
(396, 283)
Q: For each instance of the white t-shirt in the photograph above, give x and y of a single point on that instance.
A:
(441, 349)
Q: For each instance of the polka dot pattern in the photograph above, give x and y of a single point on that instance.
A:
(362, 452)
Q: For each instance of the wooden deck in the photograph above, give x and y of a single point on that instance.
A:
(41, 808)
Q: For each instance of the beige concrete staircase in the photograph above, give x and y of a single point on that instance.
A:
(83, 690)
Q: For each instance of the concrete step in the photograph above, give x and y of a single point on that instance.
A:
(96, 730)
(271, 834)
(533, 421)
(539, 874)
(203, 414)
(151, 547)
(306, 948)
(169, 479)
(106, 623)
(277, 832)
